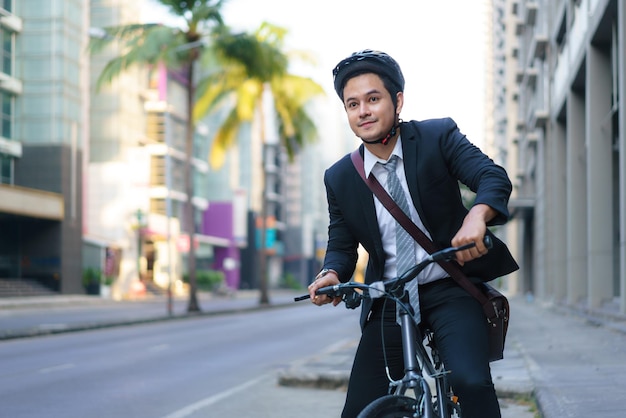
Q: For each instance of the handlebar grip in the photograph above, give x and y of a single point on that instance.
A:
(331, 291)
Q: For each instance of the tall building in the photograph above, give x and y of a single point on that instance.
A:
(43, 94)
(501, 114)
(570, 141)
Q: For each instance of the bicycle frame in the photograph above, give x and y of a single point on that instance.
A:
(416, 362)
(416, 359)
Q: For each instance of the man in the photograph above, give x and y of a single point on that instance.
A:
(431, 157)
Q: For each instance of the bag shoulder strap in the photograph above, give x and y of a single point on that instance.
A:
(422, 239)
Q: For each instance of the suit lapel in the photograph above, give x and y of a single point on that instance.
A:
(410, 143)
(366, 200)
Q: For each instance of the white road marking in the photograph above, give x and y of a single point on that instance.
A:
(57, 368)
(160, 347)
(203, 403)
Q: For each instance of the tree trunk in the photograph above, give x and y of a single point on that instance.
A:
(189, 190)
(263, 285)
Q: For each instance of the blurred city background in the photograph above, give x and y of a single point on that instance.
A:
(119, 185)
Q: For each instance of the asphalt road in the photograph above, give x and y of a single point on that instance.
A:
(163, 369)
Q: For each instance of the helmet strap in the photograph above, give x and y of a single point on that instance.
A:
(385, 140)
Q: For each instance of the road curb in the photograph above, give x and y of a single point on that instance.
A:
(79, 327)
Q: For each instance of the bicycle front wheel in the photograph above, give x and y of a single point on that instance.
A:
(391, 406)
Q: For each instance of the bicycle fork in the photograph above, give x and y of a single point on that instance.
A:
(413, 378)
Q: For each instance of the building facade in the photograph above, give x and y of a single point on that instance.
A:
(43, 95)
(569, 144)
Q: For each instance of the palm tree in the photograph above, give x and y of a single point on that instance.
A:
(248, 73)
(177, 48)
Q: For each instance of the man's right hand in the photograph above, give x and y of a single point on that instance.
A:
(323, 279)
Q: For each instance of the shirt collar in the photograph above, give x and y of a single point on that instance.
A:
(370, 160)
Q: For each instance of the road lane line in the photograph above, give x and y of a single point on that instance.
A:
(57, 368)
(160, 347)
(203, 403)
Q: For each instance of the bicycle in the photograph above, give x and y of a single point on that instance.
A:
(417, 362)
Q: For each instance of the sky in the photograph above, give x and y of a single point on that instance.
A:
(439, 44)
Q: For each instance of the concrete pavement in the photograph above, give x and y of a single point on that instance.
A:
(574, 365)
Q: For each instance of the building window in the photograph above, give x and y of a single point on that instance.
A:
(6, 113)
(6, 163)
(7, 51)
(7, 5)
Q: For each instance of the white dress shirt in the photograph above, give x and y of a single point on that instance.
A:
(387, 223)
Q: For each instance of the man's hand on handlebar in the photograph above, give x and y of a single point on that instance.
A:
(323, 279)
(473, 230)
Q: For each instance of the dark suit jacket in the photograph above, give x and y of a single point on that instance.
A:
(436, 158)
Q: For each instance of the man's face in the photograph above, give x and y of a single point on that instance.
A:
(369, 107)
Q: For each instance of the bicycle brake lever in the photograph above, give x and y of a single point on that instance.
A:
(352, 300)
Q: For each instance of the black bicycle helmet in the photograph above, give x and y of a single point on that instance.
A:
(367, 61)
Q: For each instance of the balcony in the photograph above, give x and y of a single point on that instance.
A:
(30, 202)
(531, 13)
(519, 27)
(13, 148)
(539, 46)
(531, 77)
(10, 84)
(540, 117)
(10, 22)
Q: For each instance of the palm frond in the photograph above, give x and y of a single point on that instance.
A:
(184, 8)
(260, 59)
(117, 34)
(224, 139)
(248, 97)
(291, 95)
(213, 89)
(296, 89)
(140, 44)
(208, 12)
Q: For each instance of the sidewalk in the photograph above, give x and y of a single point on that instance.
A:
(574, 365)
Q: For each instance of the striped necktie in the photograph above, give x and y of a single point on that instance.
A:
(405, 244)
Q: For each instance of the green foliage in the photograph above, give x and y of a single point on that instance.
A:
(91, 275)
(207, 280)
(260, 59)
(289, 281)
(195, 11)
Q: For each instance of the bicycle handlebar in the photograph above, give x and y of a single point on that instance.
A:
(380, 288)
